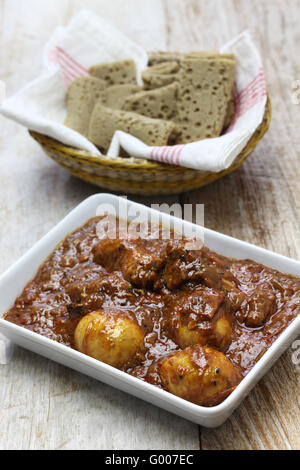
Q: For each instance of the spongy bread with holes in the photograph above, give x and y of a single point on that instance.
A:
(206, 89)
(116, 73)
(82, 95)
(105, 122)
(115, 96)
(159, 57)
(160, 75)
(157, 104)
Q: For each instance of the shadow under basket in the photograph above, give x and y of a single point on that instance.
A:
(143, 177)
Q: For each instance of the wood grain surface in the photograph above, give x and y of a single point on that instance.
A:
(47, 406)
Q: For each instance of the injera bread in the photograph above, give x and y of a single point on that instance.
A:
(156, 58)
(82, 95)
(106, 121)
(160, 75)
(156, 104)
(115, 96)
(116, 73)
(206, 88)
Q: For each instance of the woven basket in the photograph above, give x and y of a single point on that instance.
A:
(132, 176)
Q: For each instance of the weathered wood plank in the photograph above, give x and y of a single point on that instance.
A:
(48, 406)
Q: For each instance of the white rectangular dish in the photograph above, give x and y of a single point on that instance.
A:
(14, 280)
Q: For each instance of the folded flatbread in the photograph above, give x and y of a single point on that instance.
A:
(158, 57)
(205, 95)
(209, 55)
(157, 104)
(215, 55)
(116, 73)
(230, 114)
(82, 96)
(105, 122)
(115, 96)
(160, 75)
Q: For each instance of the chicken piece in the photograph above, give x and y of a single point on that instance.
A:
(108, 253)
(89, 296)
(192, 265)
(260, 306)
(138, 266)
(201, 303)
(200, 317)
(234, 295)
(198, 374)
(109, 336)
(182, 265)
(84, 297)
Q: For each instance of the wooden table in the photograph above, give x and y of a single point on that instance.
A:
(46, 406)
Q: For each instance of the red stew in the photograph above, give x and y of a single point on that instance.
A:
(201, 314)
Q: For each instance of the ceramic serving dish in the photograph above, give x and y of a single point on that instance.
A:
(14, 280)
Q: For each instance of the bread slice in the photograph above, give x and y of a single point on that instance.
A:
(115, 96)
(105, 122)
(157, 104)
(206, 88)
(165, 68)
(116, 73)
(82, 95)
(156, 58)
(160, 75)
(209, 55)
(230, 114)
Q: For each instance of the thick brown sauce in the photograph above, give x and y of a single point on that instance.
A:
(78, 279)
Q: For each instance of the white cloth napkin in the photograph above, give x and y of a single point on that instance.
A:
(89, 40)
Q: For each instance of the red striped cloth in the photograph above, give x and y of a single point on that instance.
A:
(248, 97)
(169, 155)
(71, 69)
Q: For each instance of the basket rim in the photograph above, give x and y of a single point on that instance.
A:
(142, 165)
